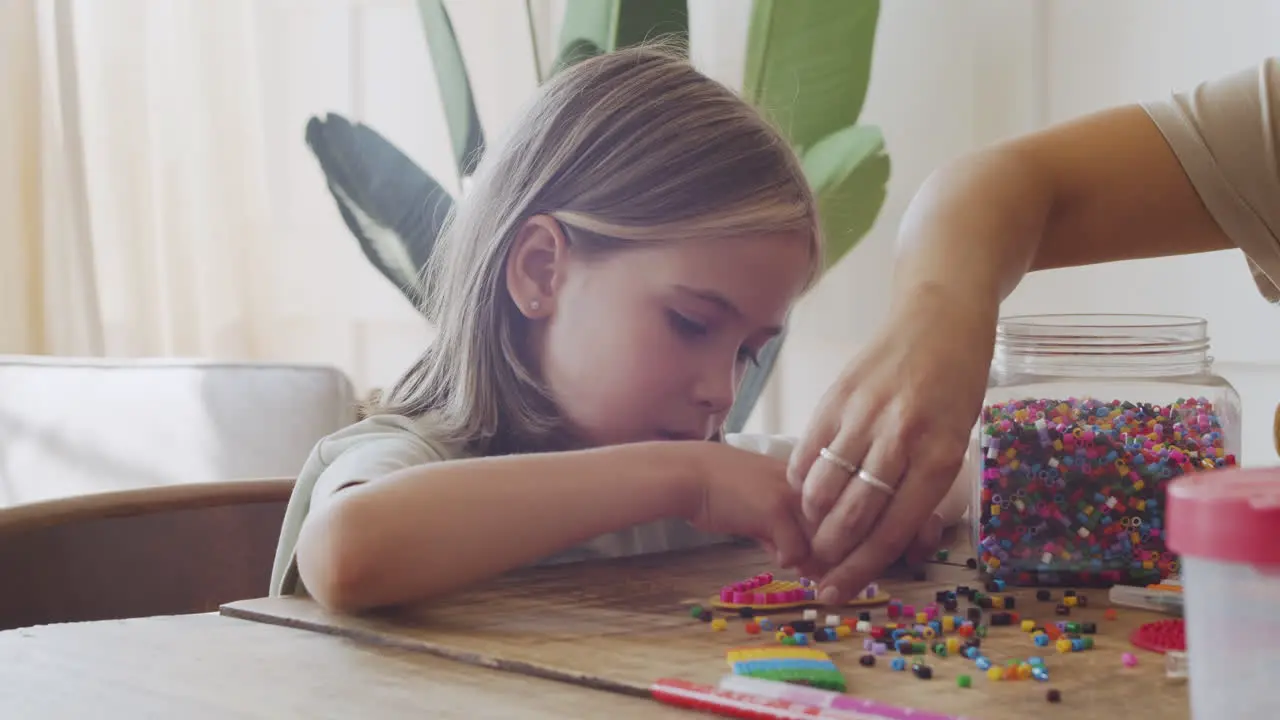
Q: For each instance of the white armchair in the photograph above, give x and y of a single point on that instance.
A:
(73, 426)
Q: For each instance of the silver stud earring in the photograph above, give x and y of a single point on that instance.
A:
(535, 306)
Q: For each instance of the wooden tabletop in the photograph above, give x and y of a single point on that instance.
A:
(208, 666)
(581, 640)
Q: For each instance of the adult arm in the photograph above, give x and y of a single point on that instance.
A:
(1193, 174)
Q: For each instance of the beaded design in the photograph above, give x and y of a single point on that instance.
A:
(788, 664)
(763, 592)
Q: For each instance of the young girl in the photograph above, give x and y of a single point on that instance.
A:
(616, 266)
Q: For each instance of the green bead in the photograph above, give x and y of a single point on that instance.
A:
(981, 631)
(964, 681)
(943, 554)
(695, 611)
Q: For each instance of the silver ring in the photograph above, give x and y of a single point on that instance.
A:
(875, 482)
(834, 459)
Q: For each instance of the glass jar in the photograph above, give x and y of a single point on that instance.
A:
(1086, 420)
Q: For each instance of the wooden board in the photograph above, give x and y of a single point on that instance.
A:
(619, 625)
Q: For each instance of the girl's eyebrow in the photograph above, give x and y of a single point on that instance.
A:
(724, 304)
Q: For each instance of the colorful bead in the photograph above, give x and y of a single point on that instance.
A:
(1111, 614)
(995, 673)
(719, 624)
(843, 631)
(924, 672)
(1053, 696)
(752, 628)
(867, 660)
(1028, 625)
(833, 620)
(695, 611)
(1129, 659)
(898, 664)
(810, 614)
(1043, 595)
(1105, 523)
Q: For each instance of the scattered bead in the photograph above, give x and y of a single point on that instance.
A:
(810, 614)
(1069, 601)
(924, 672)
(746, 612)
(1062, 609)
(719, 624)
(1028, 625)
(705, 616)
(844, 631)
(942, 555)
(1129, 659)
(1053, 696)
(752, 628)
(833, 620)
(1043, 595)
(695, 611)
(1111, 614)
(864, 615)
(867, 660)
(995, 673)
(963, 681)
(898, 664)
(971, 563)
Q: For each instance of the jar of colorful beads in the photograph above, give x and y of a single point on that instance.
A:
(1086, 420)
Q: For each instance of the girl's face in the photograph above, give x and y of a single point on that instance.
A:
(651, 343)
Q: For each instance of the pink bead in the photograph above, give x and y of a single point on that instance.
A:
(741, 598)
(1129, 659)
(726, 595)
(759, 598)
(909, 610)
(795, 595)
(774, 598)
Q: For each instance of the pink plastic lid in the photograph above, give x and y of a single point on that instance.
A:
(1231, 515)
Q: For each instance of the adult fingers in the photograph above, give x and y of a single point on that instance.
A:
(788, 538)
(829, 477)
(821, 431)
(892, 534)
(926, 542)
(855, 512)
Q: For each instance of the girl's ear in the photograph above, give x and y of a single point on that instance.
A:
(536, 265)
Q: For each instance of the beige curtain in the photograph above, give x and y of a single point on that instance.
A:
(132, 199)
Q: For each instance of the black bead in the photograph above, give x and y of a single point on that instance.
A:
(962, 589)
(864, 616)
(975, 614)
(1053, 696)
(984, 602)
(1062, 609)
(802, 625)
(705, 616)
(1088, 629)
(1082, 600)
(942, 595)
(1001, 618)
(1010, 602)
(992, 586)
(867, 660)
(1043, 595)
(924, 672)
(746, 612)
(950, 605)
(971, 563)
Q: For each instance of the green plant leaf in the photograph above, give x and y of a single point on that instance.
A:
(809, 63)
(849, 172)
(592, 27)
(753, 384)
(465, 132)
(392, 206)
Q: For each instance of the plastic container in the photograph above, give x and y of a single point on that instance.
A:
(1226, 528)
(1086, 420)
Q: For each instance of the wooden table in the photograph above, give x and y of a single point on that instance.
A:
(207, 666)
(571, 641)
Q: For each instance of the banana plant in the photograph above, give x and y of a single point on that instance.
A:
(808, 65)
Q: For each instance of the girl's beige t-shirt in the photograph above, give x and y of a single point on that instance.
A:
(1226, 134)
(382, 444)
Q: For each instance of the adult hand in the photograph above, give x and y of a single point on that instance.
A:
(895, 427)
(744, 493)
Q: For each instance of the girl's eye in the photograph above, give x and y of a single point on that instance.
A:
(685, 326)
(749, 355)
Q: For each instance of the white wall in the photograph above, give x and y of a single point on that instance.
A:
(948, 76)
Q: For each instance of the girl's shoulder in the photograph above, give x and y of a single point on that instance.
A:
(387, 430)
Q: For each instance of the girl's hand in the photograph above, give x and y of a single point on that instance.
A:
(745, 493)
(902, 413)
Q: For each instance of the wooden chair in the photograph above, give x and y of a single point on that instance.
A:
(164, 550)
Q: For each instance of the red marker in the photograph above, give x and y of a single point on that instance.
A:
(729, 703)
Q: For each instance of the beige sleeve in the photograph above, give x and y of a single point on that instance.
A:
(1226, 134)
(369, 450)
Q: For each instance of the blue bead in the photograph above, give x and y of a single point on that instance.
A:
(983, 663)
(898, 664)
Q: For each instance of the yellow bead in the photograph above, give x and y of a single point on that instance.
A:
(948, 623)
(1064, 645)
(1070, 601)
(997, 602)
(719, 624)
(993, 563)
(780, 635)
(1028, 625)
(994, 672)
(843, 631)
(922, 618)
(1024, 671)
(953, 645)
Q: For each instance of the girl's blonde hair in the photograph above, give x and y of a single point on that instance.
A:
(632, 146)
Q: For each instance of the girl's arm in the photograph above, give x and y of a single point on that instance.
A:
(425, 530)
